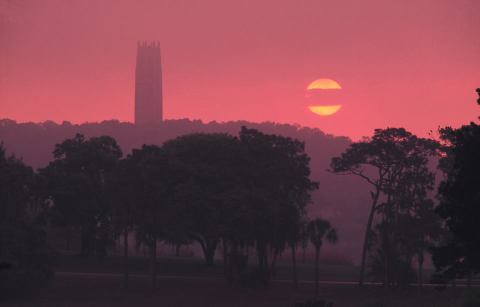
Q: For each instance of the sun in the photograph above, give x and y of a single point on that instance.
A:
(316, 88)
(325, 110)
(324, 84)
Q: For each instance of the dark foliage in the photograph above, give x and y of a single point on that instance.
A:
(75, 183)
(342, 199)
(24, 254)
(246, 192)
(318, 231)
(460, 204)
(395, 163)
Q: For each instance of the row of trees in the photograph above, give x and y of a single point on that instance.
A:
(245, 192)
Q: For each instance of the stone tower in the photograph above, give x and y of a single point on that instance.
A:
(148, 84)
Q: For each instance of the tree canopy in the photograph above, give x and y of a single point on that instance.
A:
(459, 204)
(24, 253)
(75, 183)
(396, 165)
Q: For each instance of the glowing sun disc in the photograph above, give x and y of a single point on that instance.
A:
(325, 110)
(324, 84)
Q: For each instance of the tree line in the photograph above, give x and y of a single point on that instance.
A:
(235, 194)
(239, 192)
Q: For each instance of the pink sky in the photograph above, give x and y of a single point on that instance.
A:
(410, 63)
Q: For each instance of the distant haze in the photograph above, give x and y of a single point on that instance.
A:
(412, 63)
(342, 199)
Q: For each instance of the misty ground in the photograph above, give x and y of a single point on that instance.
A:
(109, 291)
(195, 267)
(187, 282)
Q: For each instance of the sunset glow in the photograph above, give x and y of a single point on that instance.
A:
(181, 153)
(267, 62)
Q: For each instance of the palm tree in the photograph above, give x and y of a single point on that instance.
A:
(318, 230)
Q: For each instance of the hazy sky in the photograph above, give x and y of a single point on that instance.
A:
(411, 63)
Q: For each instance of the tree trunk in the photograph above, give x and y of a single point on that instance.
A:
(294, 267)
(389, 277)
(367, 236)
(177, 249)
(209, 252)
(85, 243)
(153, 263)
(420, 270)
(209, 257)
(385, 251)
(136, 245)
(68, 238)
(262, 259)
(227, 268)
(125, 257)
(273, 264)
(317, 260)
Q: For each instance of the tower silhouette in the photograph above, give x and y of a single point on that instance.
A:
(148, 84)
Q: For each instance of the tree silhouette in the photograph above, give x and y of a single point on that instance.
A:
(297, 235)
(390, 158)
(423, 232)
(249, 191)
(76, 183)
(458, 256)
(205, 164)
(152, 182)
(320, 230)
(24, 253)
(359, 160)
(43, 136)
(278, 188)
(459, 199)
(408, 223)
(123, 194)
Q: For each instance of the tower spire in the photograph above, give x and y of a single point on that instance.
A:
(148, 84)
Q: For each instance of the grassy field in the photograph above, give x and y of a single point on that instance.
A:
(196, 285)
(186, 266)
(73, 291)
